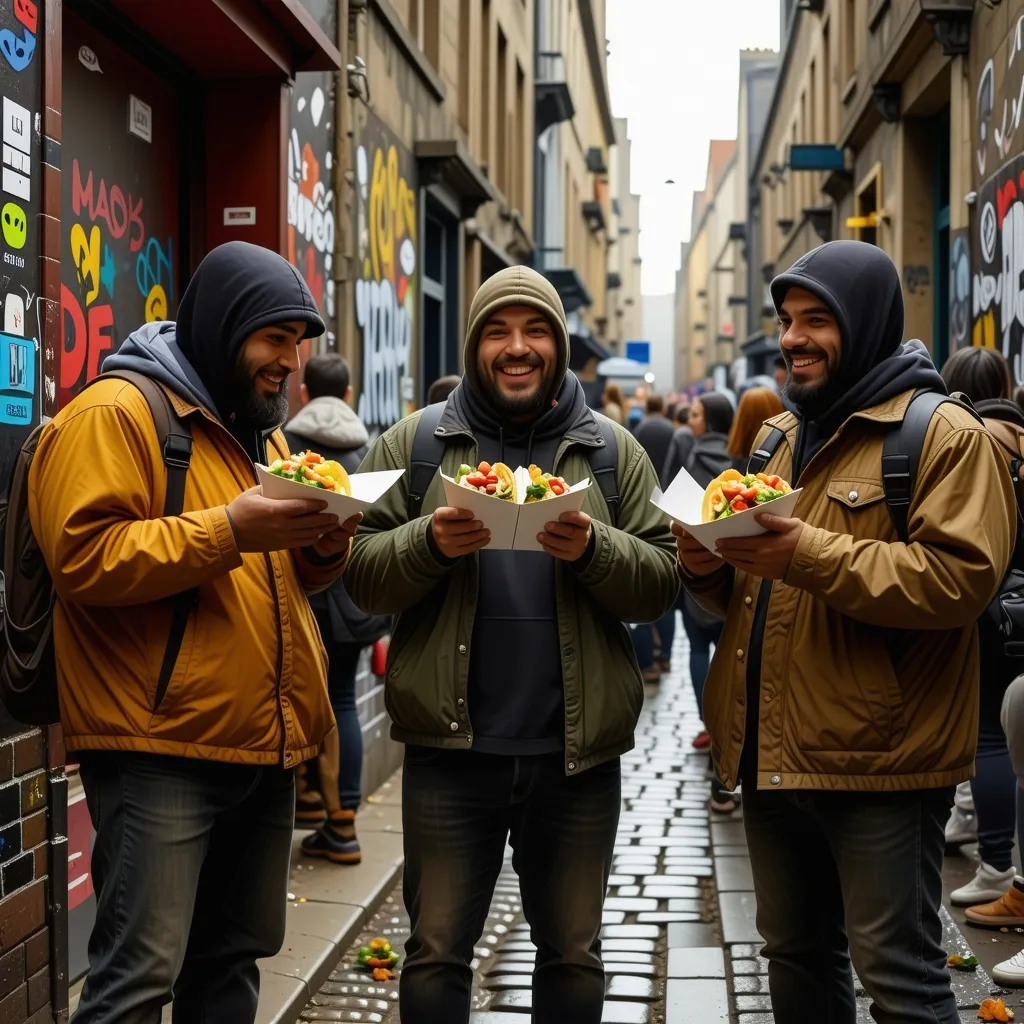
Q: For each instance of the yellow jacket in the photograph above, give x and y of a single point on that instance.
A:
(249, 685)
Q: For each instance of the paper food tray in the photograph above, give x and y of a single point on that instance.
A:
(514, 526)
(683, 502)
(367, 488)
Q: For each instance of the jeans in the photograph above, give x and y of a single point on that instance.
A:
(458, 810)
(666, 629)
(643, 645)
(994, 784)
(1011, 718)
(341, 688)
(190, 867)
(851, 874)
(701, 638)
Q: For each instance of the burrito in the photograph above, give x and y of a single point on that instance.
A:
(733, 492)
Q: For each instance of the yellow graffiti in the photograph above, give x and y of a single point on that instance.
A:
(392, 214)
(85, 252)
(985, 331)
(156, 304)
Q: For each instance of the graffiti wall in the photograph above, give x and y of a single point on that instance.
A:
(386, 291)
(119, 190)
(311, 190)
(21, 380)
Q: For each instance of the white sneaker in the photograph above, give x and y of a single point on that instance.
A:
(961, 828)
(1010, 972)
(986, 885)
(964, 798)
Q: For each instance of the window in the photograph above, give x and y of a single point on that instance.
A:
(501, 120)
(520, 149)
(826, 83)
(485, 84)
(425, 27)
(848, 40)
(465, 65)
(867, 207)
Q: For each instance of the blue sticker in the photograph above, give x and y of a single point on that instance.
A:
(18, 52)
(17, 368)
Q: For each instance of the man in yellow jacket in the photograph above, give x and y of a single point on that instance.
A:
(187, 758)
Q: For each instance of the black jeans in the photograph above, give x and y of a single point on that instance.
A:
(190, 867)
(343, 665)
(458, 810)
(851, 874)
(994, 786)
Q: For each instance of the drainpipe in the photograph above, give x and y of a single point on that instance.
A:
(538, 187)
(342, 219)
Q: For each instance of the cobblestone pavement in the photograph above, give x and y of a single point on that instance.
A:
(680, 943)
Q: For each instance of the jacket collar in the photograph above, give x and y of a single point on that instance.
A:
(585, 430)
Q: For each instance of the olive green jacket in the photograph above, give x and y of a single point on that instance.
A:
(629, 578)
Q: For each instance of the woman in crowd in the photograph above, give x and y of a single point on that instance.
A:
(983, 375)
(756, 406)
(612, 403)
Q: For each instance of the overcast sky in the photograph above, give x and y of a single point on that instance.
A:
(673, 69)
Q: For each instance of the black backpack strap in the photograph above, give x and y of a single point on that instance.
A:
(763, 455)
(175, 438)
(427, 453)
(604, 464)
(901, 454)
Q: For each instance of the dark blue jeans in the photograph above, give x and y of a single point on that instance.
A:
(701, 638)
(458, 810)
(341, 687)
(190, 867)
(994, 786)
(851, 874)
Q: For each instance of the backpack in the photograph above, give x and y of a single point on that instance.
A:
(428, 453)
(901, 457)
(28, 673)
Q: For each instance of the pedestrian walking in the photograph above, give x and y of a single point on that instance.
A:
(188, 729)
(612, 402)
(442, 388)
(845, 692)
(655, 430)
(330, 788)
(510, 675)
(756, 405)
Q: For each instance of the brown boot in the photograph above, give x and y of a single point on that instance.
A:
(1005, 912)
(335, 839)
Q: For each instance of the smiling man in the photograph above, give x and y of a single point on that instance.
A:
(844, 693)
(188, 727)
(511, 677)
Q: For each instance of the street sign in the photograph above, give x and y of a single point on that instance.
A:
(639, 351)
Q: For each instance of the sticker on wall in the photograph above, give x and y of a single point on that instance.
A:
(235, 215)
(14, 315)
(16, 147)
(89, 60)
(14, 225)
(17, 374)
(140, 119)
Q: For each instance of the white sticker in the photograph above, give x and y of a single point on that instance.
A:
(239, 214)
(140, 119)
(89, 60)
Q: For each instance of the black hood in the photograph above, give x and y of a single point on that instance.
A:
(861, 286)
(237, 289)
(1000, 409)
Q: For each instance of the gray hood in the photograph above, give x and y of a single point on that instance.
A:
(153, 351)
(329, 422)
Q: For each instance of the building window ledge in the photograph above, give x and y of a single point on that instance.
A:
(849, 89)
(405, 42)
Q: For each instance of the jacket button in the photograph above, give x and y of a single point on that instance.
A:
(854, 495)
(739, 653)
(462, 648)
(571, 766)
(748, 601)
(454, 727)
(776, 780)
(461, 702)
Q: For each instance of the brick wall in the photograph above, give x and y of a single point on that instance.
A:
(25, 938)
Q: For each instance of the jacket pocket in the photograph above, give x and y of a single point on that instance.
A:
(180, 642)
(856, 506)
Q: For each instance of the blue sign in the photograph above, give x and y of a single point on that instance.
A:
(18, 374)
(816, 157)
(639, 352)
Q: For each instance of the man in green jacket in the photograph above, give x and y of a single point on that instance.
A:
(511, 677)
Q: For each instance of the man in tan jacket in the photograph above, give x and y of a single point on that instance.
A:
(844, 693)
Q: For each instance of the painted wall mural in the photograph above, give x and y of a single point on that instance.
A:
(386, 291)
(119, 265)
(21, 381)
(311, 190)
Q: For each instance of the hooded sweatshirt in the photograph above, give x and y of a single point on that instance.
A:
(237, 289)
(330, 427)
(515, 673)
(861, 286)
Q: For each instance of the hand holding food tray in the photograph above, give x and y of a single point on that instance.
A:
(514, 506)
(728, 507)
(308, 476)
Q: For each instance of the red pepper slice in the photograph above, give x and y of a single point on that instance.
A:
(731, 491)
(491, 478)
(749, 494)
(491, 488)
(739, 505)
(556, 487)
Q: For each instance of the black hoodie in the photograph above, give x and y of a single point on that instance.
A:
(237, 289)
(861, 286)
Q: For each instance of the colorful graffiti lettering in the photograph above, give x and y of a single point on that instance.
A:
(310, 195)
(154, 274)
(386, 294)
(119, 214)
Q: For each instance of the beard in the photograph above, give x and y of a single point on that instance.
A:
(815, 399)
(522, 406)
(262, 411)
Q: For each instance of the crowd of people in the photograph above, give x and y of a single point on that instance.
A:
(855, 663)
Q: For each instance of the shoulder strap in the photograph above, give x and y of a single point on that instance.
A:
(173, 434)
(427, 453)
(604, 464)
(901, 453)
(768, 447)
